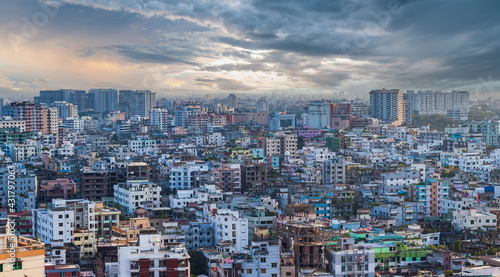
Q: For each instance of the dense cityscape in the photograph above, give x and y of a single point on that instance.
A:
(257, 138)
(119, 183)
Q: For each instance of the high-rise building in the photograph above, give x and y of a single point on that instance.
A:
(159, 117)
(65, 109)
(262, 105)
(454, 104)
(319, 114)
(387, 105)
(151, 257)
(105, 100)
(72, 96)
(37, 118)
(138, 102)
(232, 101)
(333, 170)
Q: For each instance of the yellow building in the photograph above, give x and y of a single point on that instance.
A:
(106, 218)
(133, 228)
(87, 242)
(20, 256)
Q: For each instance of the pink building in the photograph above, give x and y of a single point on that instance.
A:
(59, 188)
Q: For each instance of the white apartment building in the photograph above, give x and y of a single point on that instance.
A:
(319, 114)
(143, 145)
(21, 152)
(54, 224)
(352, 259)
(137, 193)
(191, 196)
(333, 170)
(159, 117)
(65, 110)
(264, 261)
(216, 139)
(469, 161)
(228, 226)
(186, 176)
(273, 147)
(457, 204)
(321, 154)
(59, 221)
(473, 219)
(66, 149)
(74, 123)
(395, 182)
(8, 123)
(153, 257)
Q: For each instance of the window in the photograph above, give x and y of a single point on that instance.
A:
(18, 265)
(274, 265)
(249, 271)
(288, 273)
(263, 270)
(262, 260)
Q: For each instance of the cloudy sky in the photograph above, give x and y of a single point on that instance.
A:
(197, 47)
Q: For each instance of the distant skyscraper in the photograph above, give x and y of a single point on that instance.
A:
(262, 105)
(72, 96)
(387, 105)
(106, 100)
(232, 101)
(37, 117)
(2, 103)
(142, 102)
(65, 110)
(454, 104)
(159, 117)
(138, 102)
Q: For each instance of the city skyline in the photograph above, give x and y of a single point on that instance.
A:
(197, 48)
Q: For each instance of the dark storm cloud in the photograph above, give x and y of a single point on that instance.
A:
(148, 54)
(408, 44)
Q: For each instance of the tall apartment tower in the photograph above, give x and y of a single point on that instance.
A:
(454, 104)
(105, 100)
(387, 105)
(76, 97)
(159, 117)
(36, 117)
(125, 101)
(138, 102)
(232, 101)
(262, 105)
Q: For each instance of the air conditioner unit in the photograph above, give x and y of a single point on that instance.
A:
(19, 259)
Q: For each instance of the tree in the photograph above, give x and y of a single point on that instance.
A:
(198, 262)
(457, 246)
(448, 273)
